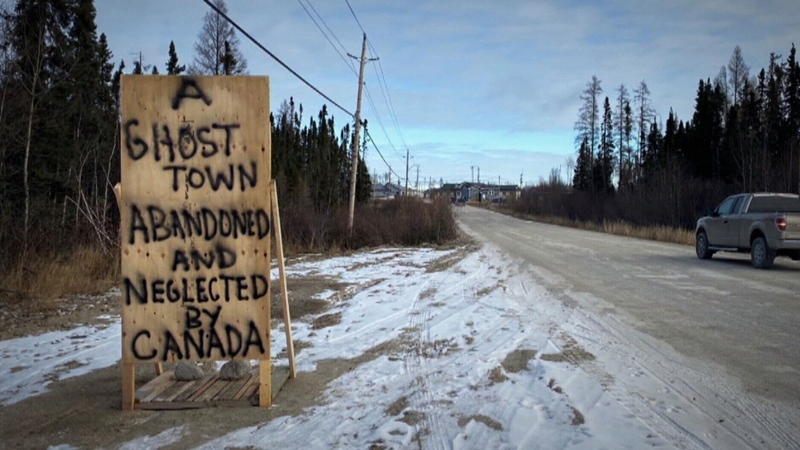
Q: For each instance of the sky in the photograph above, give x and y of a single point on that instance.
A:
(468, 86)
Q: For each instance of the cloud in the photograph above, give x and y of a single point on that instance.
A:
(503, 68)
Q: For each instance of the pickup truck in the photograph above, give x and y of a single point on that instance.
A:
(764, 224)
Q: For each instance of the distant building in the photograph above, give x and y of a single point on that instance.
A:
(386, 191)
(478, 192)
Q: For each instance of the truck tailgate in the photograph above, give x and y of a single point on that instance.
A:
(792, 226)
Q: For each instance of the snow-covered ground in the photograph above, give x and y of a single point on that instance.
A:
(473, 355)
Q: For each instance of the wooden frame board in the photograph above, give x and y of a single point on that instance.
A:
(196, 222)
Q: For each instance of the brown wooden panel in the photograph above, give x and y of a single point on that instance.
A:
(166, 393)
(195, 218)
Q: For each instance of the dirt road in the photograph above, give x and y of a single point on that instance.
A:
(721, 313)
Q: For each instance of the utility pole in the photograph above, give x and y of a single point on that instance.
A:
(357, 139)
(407, 158)
(472, 168)
(416, 185)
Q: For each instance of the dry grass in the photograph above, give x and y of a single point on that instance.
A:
(61, 264)
(654, 233)
(87, 270)
(402, 221)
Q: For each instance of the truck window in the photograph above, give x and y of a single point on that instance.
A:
(774, 204)
(725, 207)
(737, 205)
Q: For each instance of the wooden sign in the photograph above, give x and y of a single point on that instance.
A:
(195, 218)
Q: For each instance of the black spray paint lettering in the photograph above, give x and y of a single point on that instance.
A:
(220, 257)
(194, 316)
(154, 224)
(189, 89)
(200, 289)
(184, 143)
(197, 178)
(205, 342)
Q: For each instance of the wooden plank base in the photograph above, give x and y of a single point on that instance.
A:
(164, 392)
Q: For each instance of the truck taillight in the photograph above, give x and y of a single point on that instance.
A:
(780, 222)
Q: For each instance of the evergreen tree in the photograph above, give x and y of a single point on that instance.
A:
(38, 44)
(775, 151)
(60, 150)
(605, 154)
(704, 155)
(228, 60)
(582, 178)
(363, 180)
(173, 68)
(792, 105)
(115, 82)
(589, 118)
(89, 112)
(652, 152)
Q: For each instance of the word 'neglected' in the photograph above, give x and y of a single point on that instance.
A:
(198, 289)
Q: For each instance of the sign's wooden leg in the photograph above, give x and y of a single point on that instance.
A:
(287, 319)
(128, 386)
(265, 383)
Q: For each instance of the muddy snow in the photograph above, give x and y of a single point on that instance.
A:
(404, 348)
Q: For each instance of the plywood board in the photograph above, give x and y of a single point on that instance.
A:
(164, 392)
(195, 218)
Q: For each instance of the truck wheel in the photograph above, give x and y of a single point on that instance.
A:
(761, 255)
(702, 246)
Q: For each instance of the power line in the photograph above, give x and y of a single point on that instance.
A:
(354, 16)
(387, 97)
(369, 96)
(381, 154)
(272, 55)
(380, 123)
(384, 91)
(326, 26)
(392, 115)
(297, 75)
(347, 62)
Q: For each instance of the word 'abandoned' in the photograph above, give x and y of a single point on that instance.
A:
(152, 223)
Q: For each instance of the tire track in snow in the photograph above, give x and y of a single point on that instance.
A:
(693, 389)
(421, 397)
(423, 368)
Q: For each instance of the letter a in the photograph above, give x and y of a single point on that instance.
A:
(184, 92)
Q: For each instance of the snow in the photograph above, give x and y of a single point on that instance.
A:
(473, 356)
(29, 364)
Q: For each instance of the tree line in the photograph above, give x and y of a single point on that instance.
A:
(743, 136)
(59, 128)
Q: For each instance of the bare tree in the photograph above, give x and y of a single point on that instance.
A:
(644, 115)
(217, 47)
(36, 63)
(623, 128)
(739, 73)
(5, 62)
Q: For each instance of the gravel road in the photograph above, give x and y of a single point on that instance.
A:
(721, 312)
